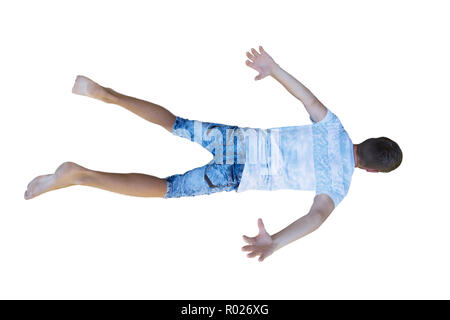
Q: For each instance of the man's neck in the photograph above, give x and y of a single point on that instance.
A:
(355, 155)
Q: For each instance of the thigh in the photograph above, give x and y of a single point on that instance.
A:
(208, 179)
(222, 140)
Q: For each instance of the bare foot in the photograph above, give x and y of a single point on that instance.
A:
(66, 175)
(86, 87)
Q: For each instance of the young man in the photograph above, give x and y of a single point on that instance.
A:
(319, 156)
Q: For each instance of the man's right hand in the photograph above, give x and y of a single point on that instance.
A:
(262, 245)
(261, 62)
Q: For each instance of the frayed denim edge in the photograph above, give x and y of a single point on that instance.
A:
(168, 189)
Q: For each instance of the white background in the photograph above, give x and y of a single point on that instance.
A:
(382, 67)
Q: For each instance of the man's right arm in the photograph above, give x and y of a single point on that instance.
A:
(265, 244)
(315, 108)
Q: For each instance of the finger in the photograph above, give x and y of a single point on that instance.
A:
(248, 248)
(260, 76)
(262, 257)
(261, 226)
(248, 240)
(255, 53)
(250, 64)
(261, 49)
(253, 254)
(250, 56)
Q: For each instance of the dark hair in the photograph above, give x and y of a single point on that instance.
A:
(381, 154)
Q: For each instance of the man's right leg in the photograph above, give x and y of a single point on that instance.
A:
(210, 178)
(70, 174)
(147, 110)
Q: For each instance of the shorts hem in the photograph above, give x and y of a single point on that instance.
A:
(168, 189)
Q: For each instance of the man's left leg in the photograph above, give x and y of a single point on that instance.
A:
(145, 109)
(225, 142)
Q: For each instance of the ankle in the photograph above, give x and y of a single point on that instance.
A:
(110, 96)
(83, 177)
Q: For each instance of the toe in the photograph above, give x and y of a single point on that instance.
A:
(38, 185)
(32, 182)
(28, 195)
(80, 86)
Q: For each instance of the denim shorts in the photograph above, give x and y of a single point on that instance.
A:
(223, 173)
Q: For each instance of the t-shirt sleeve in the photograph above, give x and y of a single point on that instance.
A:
(330, 116)
(330, 124)
(336, 197)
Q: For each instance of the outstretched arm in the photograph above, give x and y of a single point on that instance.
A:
(264, 244)
(265, 65)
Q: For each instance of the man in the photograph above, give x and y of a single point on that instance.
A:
(319, 157)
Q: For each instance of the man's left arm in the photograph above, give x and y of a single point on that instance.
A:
(265, 65)
(264, 244)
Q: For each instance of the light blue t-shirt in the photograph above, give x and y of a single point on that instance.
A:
(316, 157)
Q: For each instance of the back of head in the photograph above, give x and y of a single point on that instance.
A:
(381, 154)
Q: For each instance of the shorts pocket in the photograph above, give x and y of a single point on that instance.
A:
(220, 175)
